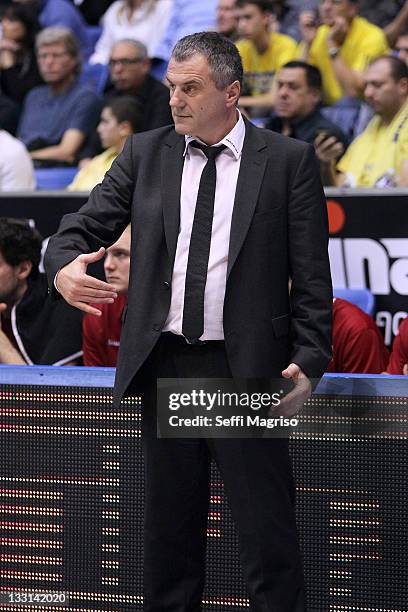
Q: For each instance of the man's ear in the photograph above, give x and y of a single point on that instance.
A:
(125, 128)
(147, 64)
(233, 92)
(23, 269)
(403, 86)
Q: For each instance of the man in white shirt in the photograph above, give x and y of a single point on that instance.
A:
(223, 213)
(16, 166)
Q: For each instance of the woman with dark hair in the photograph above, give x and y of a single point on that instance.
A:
(142, 20)
(18, 66)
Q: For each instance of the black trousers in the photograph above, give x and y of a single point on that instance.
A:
(257, 475)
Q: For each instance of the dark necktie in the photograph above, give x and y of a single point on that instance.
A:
(199, 251)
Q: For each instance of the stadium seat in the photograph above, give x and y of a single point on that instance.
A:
(345, 114)
(94, 33)
(95, 76)
(363, 298)
(54, 178)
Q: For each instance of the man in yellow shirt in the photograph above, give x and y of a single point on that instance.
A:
(379, 156)
(341, 48)
(263, 53)
(120, 118)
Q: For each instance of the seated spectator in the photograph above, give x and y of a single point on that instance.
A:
(16, 166)
(288, 12)
(297, 111)
(358, 347)
(101, 335)
(390, 15)
(263, 53)
(227, 21)
(119, 119)
(58, 117)
(341, 48)
(186, 17)
(378, 157)
(144, 20)
(401, 47)
(34, 328)
(398, 363)
(62, 13)
(18, 64)
(129, 74)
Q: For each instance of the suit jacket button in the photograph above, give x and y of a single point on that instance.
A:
(156, 327)
(166, 284)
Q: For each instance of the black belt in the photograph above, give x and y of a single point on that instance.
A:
(181, 341)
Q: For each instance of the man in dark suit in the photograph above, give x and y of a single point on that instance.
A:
(209, 298)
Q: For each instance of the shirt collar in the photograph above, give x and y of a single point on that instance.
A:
(234, 140)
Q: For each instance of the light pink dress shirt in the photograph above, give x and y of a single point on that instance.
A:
(227, 163)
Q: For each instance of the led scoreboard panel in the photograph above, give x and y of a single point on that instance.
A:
(71, 498)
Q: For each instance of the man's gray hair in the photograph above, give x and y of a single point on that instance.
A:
(138, 46)
(59, 35)
(222, 56)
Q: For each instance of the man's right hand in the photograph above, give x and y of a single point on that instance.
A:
(328, 149)
(308, 26)
(79, 289)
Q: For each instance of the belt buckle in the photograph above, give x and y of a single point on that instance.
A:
(196, 342)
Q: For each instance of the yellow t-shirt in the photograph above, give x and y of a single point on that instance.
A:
(94, 172)
(260, 68)
(364, 42)
(375, 157)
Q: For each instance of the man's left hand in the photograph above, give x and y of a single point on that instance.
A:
(294, 401)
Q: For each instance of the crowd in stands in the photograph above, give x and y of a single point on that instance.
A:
(77, 78)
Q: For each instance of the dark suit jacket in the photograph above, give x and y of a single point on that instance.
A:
(279, 231)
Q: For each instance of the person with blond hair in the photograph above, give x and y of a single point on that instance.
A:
(143, 20)
(58, 117)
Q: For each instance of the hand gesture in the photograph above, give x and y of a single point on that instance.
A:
(79, 289)
(328, 148)
(308, 26)
(338, 32)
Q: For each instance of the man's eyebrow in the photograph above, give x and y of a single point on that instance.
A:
(190, 82)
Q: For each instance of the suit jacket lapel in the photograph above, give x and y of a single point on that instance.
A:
(172, 162)
(251, 172)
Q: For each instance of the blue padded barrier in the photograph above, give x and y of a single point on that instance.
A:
(55, 178)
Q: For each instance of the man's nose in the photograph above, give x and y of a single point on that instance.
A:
(108, 263)
(176, 98)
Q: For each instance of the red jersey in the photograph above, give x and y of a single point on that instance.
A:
(101, 335)
(399, 353)
(358, 347)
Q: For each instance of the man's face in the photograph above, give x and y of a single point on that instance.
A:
(252, 22)
(197, 106)
(294, 97)
(13, 29)
(382, 92)
(330, 9)
(226, 16)
(109, 129)
(55, 63)
(10, 281)
(402, 48)
(127, 70)
(117, 263)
